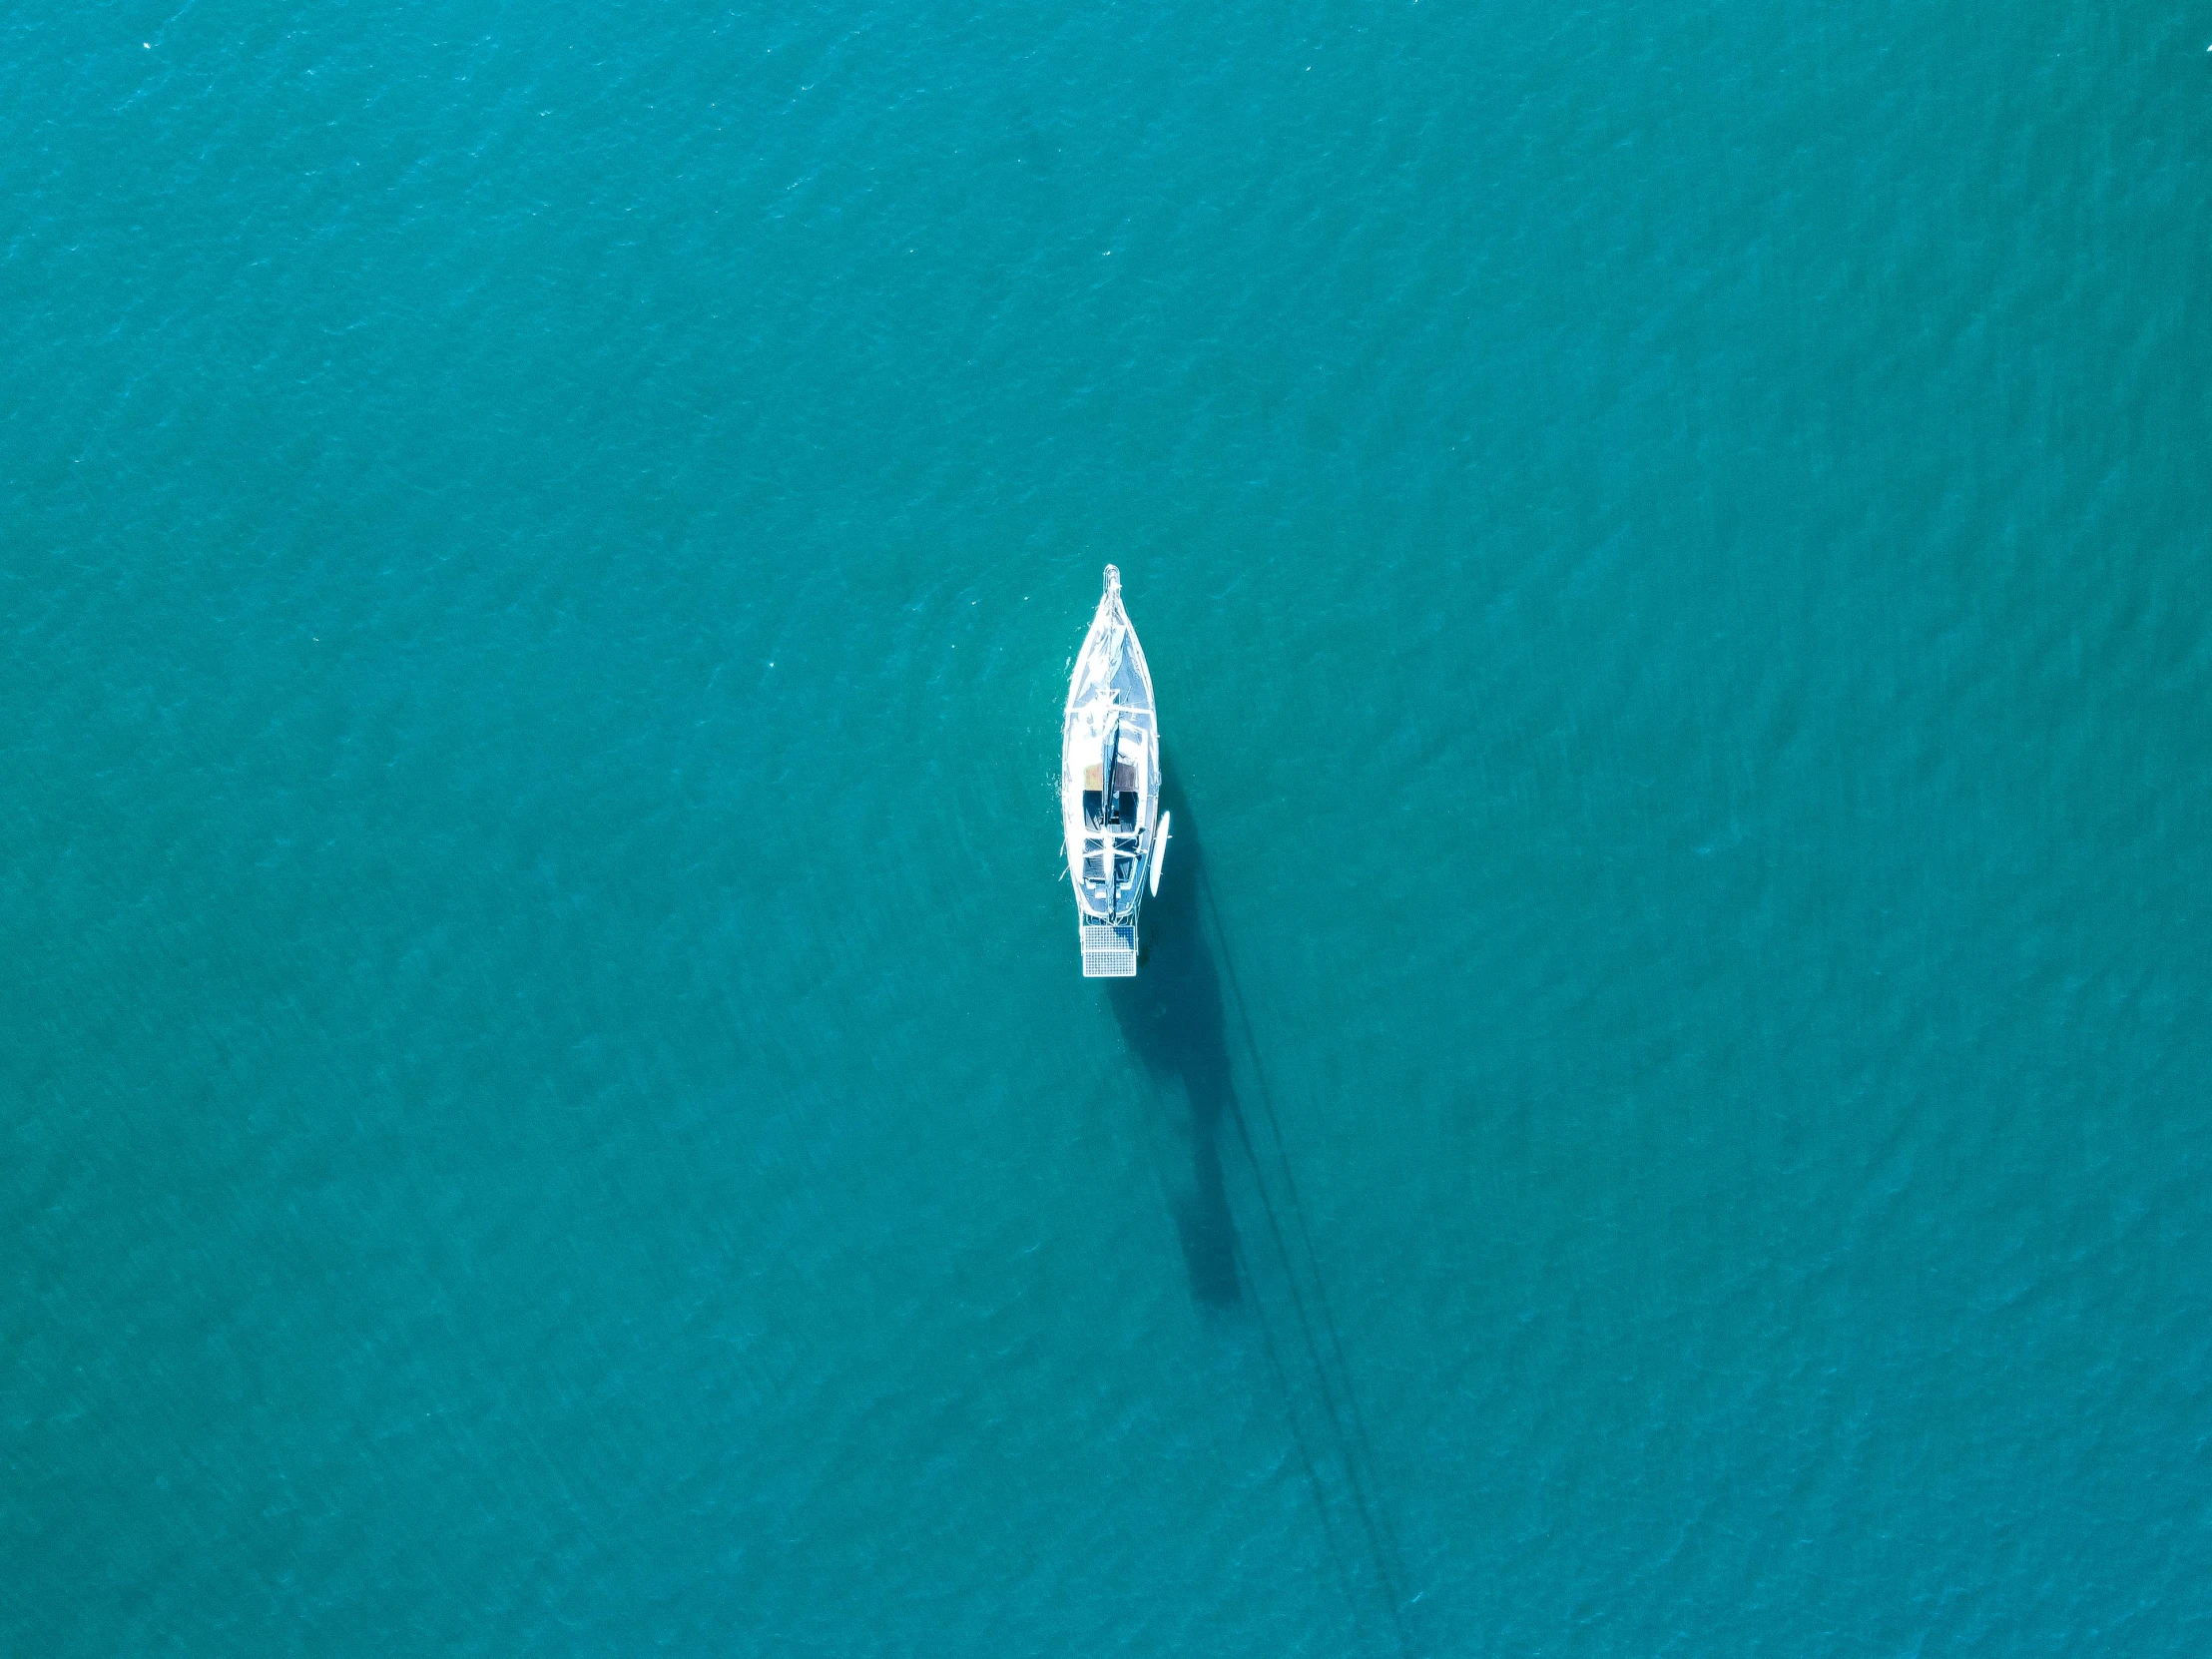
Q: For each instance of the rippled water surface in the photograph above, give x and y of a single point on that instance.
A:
(547, 1101)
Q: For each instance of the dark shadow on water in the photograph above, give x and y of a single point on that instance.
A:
(1178, 1016)
(1171, 1017)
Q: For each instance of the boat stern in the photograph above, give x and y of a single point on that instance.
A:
(1109, 950)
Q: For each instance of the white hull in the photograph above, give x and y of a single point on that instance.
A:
(1109, 787)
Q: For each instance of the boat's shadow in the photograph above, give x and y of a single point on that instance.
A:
(1171, 1017)
(1175, 1016)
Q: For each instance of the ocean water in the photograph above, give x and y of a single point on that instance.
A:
(547, 1101)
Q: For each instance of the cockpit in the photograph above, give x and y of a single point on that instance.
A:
(1121, 809)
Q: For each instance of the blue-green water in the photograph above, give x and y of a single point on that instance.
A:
(548, 1105)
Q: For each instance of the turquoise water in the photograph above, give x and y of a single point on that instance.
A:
(548, 1104)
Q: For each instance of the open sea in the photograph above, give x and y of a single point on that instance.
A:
(546, 1101)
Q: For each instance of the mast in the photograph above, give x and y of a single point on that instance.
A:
(1109, 810)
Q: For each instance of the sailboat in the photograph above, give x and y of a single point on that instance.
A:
(1110, 789)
